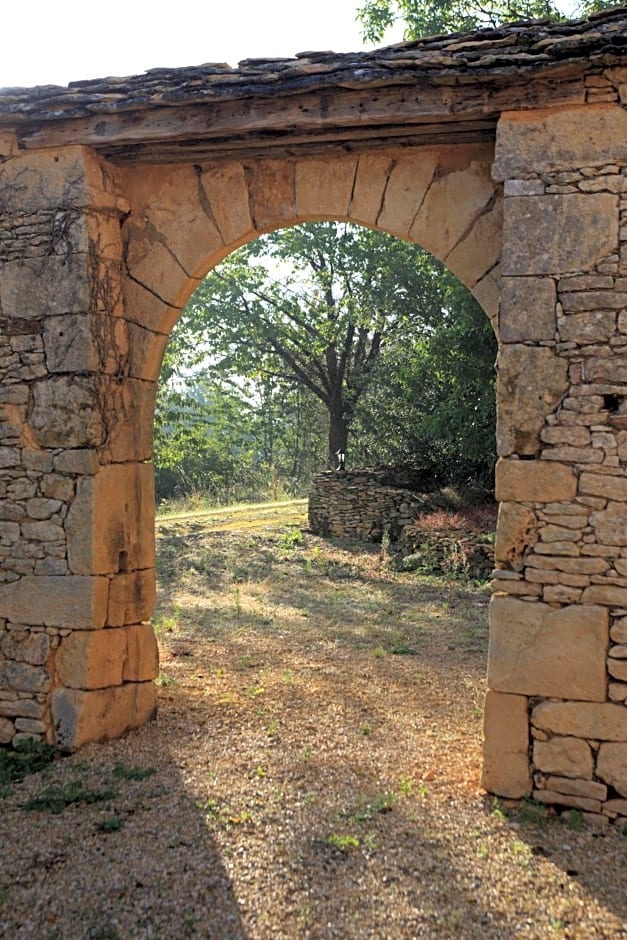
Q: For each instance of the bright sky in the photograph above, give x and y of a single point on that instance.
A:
(58, 41)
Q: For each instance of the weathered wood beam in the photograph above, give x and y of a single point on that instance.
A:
(385, 108)
(199, 151)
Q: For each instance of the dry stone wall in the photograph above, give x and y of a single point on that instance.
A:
(557, 650)
(76, 564)
(504, 153)
(362, 504)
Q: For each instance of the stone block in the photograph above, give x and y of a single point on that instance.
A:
(560, 594)
(531, 381)
(600, 722)
(610, 370)
(371, 180)
(142, 658)
(534, 481)
(23, 677)
(617, 691)
(69, 343)
(605, 594)
(66, 602)
(593, 300)
(617, 668)
(26, 647)
(91, 659)
(408, 179)
(553, 797)
(506, 749)
(110, 524)
(22, 708)
(586, 788)
(612, 766)
(53, 178)
(618, 807)
(153, 264)
(568, 757)
(145, 352)
(605, 485)
(480, 249)
(80, 717)
(30, 726)
(227, 192)
(81, 462)
(565, 138)
(324, 186)
(271, 190)
(460, 182)
(587, 328)
(610, 525)
(488, 293)
(558, 234)
(40, 287)
(537, 650)
(7, 730)
(527, 309)
(66, 412)
(618, 631)
(131, 430)
(131, 597)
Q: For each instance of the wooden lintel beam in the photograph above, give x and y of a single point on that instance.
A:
(202, 151)
(335, 109)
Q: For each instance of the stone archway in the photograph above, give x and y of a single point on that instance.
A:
(518, 186)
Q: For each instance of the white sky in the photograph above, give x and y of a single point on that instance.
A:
(58, 41)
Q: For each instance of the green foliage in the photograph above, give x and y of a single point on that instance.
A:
(324, 319)
(29, 757)
(432, 401)
(112, 824)
(301, 317)
(433, 17)
(124, 772)
(343, 842)
(55, 799)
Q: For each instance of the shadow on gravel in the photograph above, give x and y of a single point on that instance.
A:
(113, 848)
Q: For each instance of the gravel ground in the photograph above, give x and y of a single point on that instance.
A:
(313, 773)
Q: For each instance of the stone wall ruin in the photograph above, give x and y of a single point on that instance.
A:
(504, 153)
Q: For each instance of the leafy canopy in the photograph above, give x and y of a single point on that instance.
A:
(432, 17)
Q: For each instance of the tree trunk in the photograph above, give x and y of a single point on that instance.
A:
(338, 437)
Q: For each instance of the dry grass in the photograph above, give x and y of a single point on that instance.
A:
(317, 758)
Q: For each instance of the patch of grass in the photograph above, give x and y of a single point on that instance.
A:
(123, 772)
(291, 539)
(165, 680)
(402, 649)
(29, 757)
(56, 799)
(367, 809)
(112, 824)
(573, 819)
(343, 842)
(532, 812)
(166, 623)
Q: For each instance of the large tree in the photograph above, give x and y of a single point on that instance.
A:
(435, 405)
(431, 17)
(315, 306)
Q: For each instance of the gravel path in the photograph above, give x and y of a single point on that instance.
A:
(313, 773)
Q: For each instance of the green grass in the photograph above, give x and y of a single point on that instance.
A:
(29, 757)
(56, 799)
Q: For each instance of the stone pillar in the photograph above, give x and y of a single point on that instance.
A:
(76, 507)
(558, 640)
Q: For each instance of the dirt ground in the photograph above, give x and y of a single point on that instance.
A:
(314, 770)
